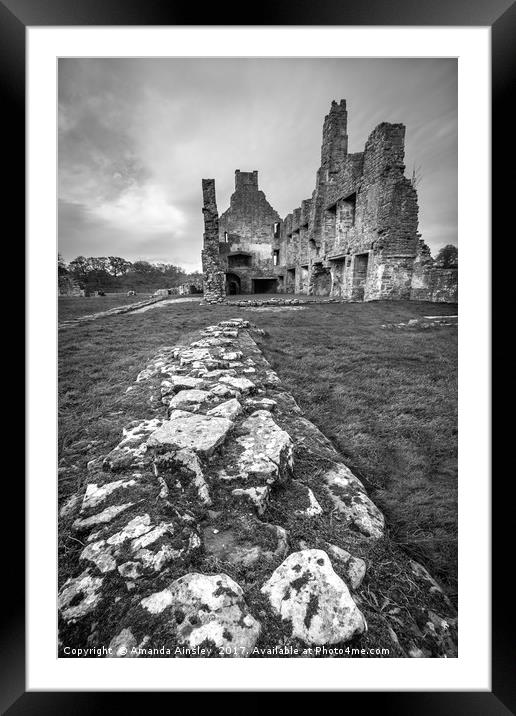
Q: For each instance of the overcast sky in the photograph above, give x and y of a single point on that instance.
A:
(136, 137)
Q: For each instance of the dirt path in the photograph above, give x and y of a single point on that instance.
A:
(166, 302)
(139, 307)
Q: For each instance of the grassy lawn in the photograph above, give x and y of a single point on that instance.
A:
(387, 398)
(74, 306)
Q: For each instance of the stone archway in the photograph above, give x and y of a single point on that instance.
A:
(232, 284)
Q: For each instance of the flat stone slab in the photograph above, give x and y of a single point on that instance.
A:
(354, 567)
(194, 354)
(185, 399)
(183, 382)
(261, 403)
(212, 342)
(101, 518)
(140, 545)
(208, 610)
(267, 449)
(80, 596)
(96, 494)
(257, 496)
(190, 463)
(200, 433)
(130, 451)
(312, 508)
(306, 591)
(244, 385)
(350, 499)
(231, 355)
(121, 646)
(223, 391)
(229, 409)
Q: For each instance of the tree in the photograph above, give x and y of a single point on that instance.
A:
(118, 266)
(80, 269)
(448, 256)
(62, 269)
(144, 267)
(98, 263)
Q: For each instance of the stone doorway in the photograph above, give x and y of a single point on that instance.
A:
(232, 284)
(360, 265)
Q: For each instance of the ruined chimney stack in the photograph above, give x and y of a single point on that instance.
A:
(335, 137)
(214, 276)
(246, 179)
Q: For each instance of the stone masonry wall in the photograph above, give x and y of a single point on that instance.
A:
(431, 282)
(225, 524)
(362, 206)
(246, 231)
(212, 267)
(356, 238)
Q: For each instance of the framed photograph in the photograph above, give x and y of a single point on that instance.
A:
(258, 452)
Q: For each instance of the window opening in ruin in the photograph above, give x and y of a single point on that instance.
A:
(226, 237)
(313, 246)
(276, 229)
(275, 257)
(350, 205)
(241, 260)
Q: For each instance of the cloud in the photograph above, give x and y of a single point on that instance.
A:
(141, 209)
(136, 136)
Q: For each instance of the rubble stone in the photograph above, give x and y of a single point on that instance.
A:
(306, 591)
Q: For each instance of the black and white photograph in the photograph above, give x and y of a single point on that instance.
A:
(257, 276)
(259, 250)
(258, 292)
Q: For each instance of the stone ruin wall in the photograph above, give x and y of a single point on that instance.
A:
(363, 206)
(431, 282)
(214, 277)
(246, 232)
(355, 238)
(225, 521)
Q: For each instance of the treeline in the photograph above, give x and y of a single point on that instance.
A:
(114, 273)
(448, 257)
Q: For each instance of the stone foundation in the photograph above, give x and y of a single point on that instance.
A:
(225, 523)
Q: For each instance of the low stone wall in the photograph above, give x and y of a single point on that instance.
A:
(224, 523)
(277, 301)
(436, 284)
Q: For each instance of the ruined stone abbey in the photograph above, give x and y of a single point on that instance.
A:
(355, 239)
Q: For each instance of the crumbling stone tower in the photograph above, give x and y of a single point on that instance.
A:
(213, 273)
(363, 225)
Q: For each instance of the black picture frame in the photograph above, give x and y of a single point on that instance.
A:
(500, 15)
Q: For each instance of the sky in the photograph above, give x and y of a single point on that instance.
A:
(136, 136)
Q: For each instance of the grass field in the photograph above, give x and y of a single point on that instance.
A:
(387, 398)
(74, 306)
